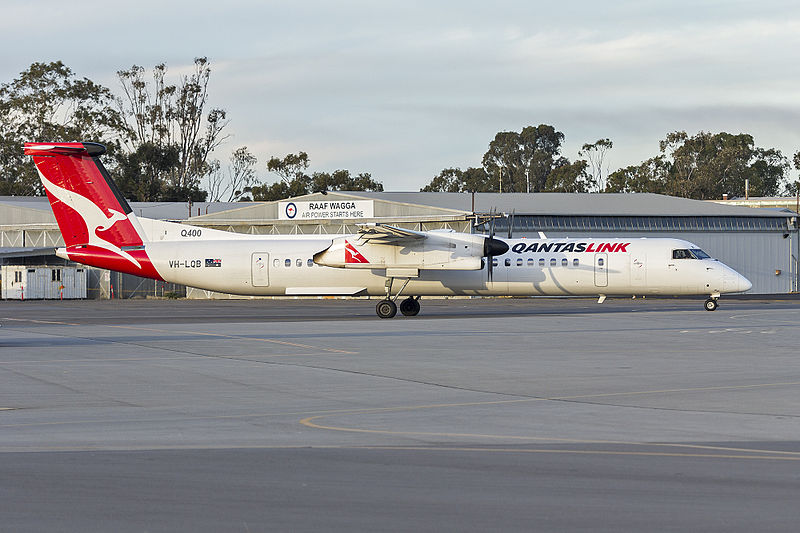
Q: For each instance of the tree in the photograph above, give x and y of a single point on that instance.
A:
(649, 176)
(457, 180)
(138, 172)
(341, 180)
(523, 158)
(570, 177)
(295, 182)
(595, 153)
(173, 117)
(290, 167)
(241, 176)
(521, 161)
(705, 166)
(47, 102)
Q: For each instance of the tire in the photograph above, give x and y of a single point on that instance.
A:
(386, 309)
(409, 307)
(711, 304)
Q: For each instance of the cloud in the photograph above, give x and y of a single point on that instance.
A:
(403, 90)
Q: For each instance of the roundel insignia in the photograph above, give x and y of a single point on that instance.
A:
(291, 210)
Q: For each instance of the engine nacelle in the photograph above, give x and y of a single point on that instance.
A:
(434, 251)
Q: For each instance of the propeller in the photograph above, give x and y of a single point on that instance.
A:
(492, 246)
(511, 224)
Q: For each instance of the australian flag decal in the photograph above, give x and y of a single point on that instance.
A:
(213, 262)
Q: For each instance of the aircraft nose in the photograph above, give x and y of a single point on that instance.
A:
(744, 284)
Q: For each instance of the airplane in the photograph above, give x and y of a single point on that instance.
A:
(100, 229)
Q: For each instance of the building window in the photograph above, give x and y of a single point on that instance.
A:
(55, 274)
(17, 277)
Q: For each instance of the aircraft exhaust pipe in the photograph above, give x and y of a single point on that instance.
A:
(493, 247)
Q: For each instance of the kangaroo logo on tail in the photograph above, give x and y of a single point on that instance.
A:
(96, 222)
(95, 219)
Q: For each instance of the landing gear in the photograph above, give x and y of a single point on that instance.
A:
(711, 304)
(386, 309)
(410, 306)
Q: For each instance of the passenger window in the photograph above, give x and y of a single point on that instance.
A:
(530, 262)
(553, 262)
(519, 261)
(299, 263)
(288, 263)
(564, 262)
(310, 262)
(600, 261)
(575, 262)
(494, 261)
(508, 262)
(541, 261)
(276, 262)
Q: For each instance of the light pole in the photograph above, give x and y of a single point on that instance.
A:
(501, 180)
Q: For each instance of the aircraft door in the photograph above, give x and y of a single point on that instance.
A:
(601, 270)
(259, 263)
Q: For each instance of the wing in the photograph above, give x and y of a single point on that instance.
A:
(385, 234)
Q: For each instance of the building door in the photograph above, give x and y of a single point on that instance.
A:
(601, 270)
(260, 269)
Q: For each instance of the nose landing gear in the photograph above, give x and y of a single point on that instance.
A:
(711, 304)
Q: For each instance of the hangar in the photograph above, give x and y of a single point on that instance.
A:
(762, 243)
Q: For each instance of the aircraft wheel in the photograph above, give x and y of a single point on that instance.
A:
(409, 306)
(386, 309)
(711, 304)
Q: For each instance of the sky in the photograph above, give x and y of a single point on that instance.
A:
(405, 89)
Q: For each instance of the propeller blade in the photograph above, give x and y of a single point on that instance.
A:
(511, 224)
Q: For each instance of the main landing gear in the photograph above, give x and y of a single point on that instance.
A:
(387, 308)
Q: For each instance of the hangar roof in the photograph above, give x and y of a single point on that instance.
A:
(587, 204)
(36, 210)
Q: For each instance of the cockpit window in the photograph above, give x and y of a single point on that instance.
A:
(692, 253)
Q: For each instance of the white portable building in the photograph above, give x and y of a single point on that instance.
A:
(43, 282)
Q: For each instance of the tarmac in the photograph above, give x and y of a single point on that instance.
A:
(539, 414)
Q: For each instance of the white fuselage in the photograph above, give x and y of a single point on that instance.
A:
(284, 265)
